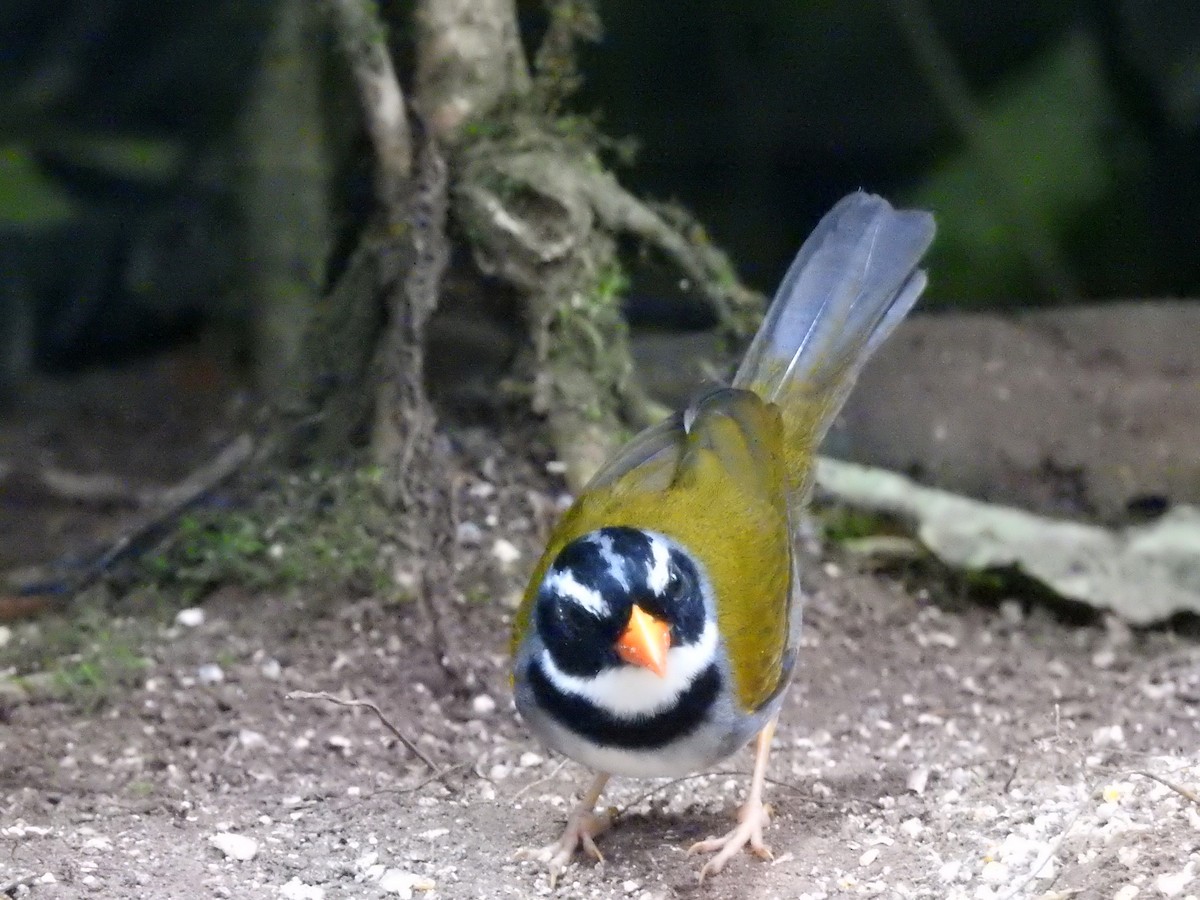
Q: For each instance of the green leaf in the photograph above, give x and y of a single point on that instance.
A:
(28, 198)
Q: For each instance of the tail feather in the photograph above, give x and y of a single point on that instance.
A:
(851, 284)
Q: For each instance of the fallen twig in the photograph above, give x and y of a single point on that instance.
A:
(100, 488)
(1186, 793)
(367, 704)
(542, 780)
(91, 488)
(171, 502)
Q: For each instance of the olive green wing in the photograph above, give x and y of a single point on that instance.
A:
(734, 465)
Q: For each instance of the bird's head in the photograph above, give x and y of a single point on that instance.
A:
(625, 600)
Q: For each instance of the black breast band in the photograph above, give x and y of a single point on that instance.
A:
(650, 732)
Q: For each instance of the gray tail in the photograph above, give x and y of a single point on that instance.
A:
(852, 282)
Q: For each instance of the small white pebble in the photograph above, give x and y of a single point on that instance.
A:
(433, 834)
(210, 673)
(1128, 892)
(556, 467)
(338, 742)
(505, 551)
(498, 772)
(5, 635)
(271, 669)
(1016, 849)
(1108, 736)
(1104, 659)
(483, 705)
(995, 872)
(397, 881)
(911, 827)
(1128, 856)
(1172, 885)
(298, 890)
(251, 740)
(1046, 869)
(917, 780)
(949, 871)
(1012, 612)
(48, 878)
(235, 846)
(629, 886)
(468, 534)
(530, 759)
(481, 490)
(869, 857)
(191, 617)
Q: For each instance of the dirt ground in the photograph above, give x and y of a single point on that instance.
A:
(931, 746)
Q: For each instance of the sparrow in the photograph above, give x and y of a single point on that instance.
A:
(661, 626)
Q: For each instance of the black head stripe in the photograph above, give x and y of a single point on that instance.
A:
(589, 721)
(629, 545)
(602, 563)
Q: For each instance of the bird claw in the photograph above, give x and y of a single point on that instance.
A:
(581, 833)
(752, 818)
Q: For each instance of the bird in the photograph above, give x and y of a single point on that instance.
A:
(661, 626)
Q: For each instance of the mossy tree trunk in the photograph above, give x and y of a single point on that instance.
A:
(283, 159)
(524, 184)
(479, 141)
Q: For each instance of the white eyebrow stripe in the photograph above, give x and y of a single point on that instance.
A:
(658, 570)
(615, 564)
(563, 583)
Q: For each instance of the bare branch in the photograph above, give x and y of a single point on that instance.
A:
(469, 58)
(364, 40)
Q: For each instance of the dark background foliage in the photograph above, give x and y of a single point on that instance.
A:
(1071, 177)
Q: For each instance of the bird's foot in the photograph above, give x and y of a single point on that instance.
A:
(752, 818)
(581, 832)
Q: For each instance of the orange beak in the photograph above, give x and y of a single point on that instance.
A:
(645, 642)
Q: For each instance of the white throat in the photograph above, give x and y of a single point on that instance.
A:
(631, 692)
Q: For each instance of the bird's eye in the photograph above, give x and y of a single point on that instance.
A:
(674, 582)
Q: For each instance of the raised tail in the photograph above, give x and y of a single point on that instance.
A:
(851, 283)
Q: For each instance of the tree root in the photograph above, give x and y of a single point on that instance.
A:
(539, 211)
(543, 214)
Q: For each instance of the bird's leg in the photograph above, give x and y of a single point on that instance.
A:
(583, 826)
(752, 816)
